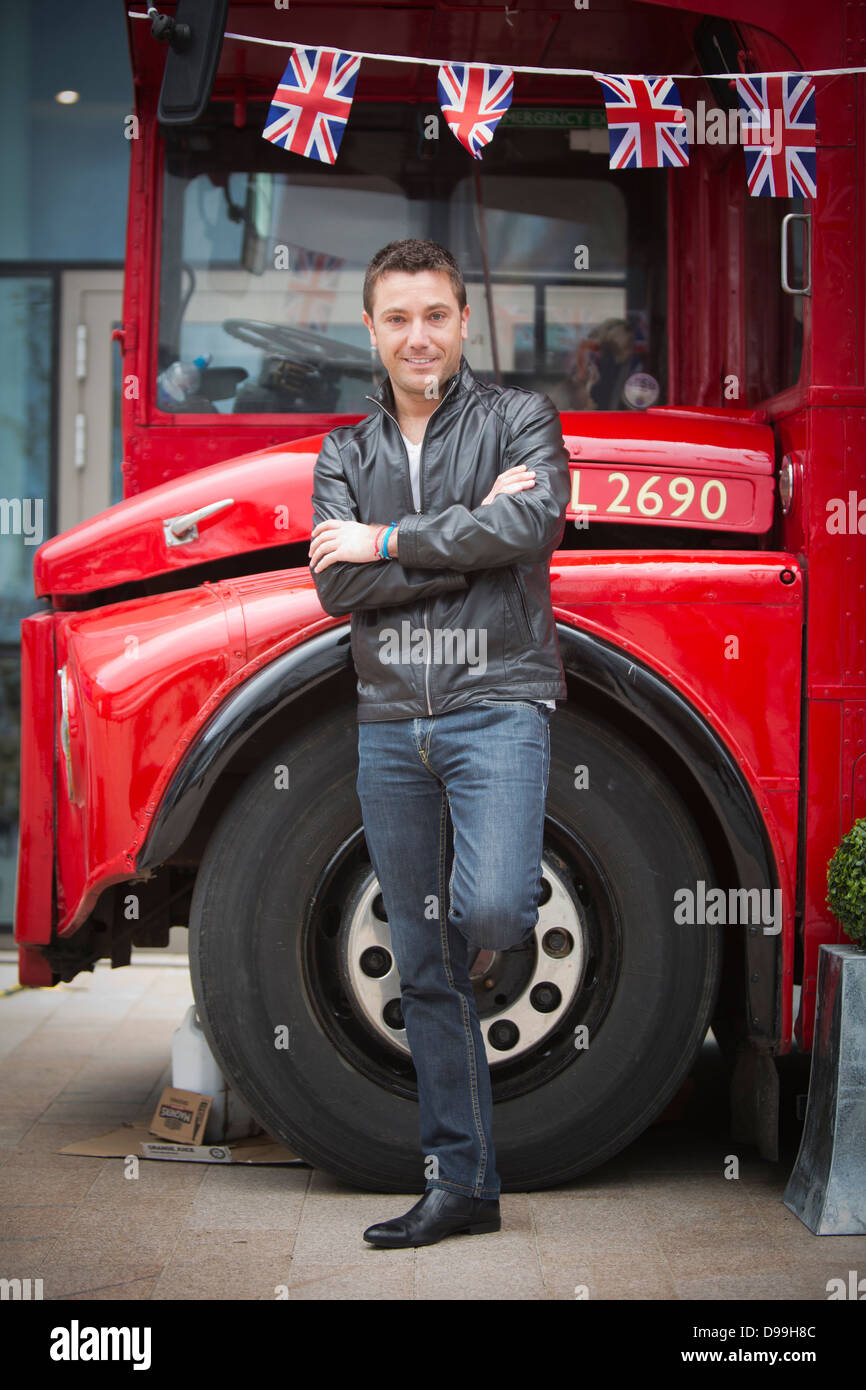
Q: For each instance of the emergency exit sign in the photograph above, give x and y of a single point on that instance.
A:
(556, 117)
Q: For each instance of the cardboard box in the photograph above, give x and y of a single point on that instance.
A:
(187, 1153)
(137, 1140)
(181, 1116)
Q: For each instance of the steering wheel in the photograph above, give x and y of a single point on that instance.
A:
(301, 345)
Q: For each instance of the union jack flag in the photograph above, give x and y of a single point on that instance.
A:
(474, 98)
(782, 160)
(313, 288)
(645, 122)
(311, 105)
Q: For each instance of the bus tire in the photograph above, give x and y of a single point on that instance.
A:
(272, 910)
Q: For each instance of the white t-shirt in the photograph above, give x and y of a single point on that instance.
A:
(414, 452)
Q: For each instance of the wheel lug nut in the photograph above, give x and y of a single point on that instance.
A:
(392, 1014)
(545, 997)
(375, 962)
(504, 1035)
(557, 942)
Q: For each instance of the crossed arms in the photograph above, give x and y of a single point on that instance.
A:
(521, 519)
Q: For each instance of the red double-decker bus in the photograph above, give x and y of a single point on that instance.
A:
(189, 742)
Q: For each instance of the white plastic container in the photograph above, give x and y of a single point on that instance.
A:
(194, 1068)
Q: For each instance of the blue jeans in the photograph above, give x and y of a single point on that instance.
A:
(453, 810)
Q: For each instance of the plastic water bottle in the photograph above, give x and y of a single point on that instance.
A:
(180, 380)
(194, 1068)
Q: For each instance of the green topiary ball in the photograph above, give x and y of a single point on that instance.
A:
(846, 884)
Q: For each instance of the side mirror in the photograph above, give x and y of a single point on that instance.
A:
(195, 38)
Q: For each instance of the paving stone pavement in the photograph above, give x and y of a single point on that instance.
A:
(658, 1222)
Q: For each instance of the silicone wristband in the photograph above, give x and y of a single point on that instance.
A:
(381, 537)
(391, 528)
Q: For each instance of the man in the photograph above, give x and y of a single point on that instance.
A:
(435, 520)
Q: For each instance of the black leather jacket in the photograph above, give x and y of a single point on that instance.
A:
(465, 612)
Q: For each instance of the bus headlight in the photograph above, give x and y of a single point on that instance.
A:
(787, 478)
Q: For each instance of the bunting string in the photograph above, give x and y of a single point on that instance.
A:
(541, 72)
(647, 125)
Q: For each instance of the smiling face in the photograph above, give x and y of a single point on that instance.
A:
(418, 328)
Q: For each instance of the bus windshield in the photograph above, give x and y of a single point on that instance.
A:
(264, 252)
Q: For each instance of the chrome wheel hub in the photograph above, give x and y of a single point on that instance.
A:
(521, 995)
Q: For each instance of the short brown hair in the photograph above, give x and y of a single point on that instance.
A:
(412, 255)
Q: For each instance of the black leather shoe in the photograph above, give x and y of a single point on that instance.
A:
(439, 1213)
